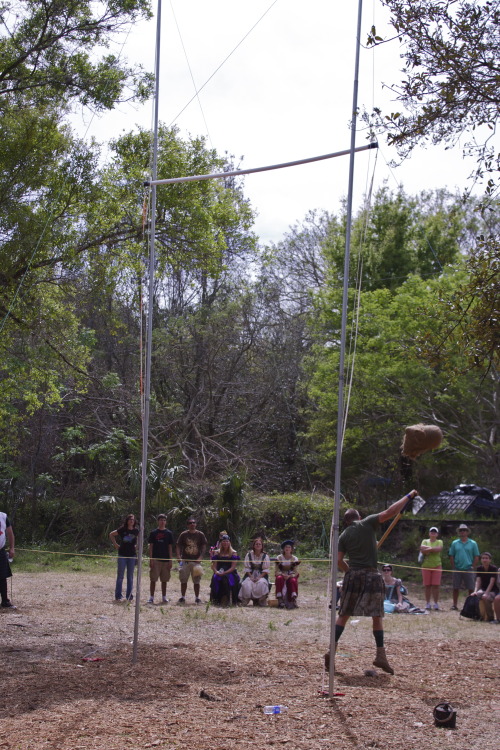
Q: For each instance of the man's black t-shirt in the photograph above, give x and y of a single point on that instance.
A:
(160, 539)
(486, 577)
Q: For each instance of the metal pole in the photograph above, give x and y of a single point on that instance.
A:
(340, 407)
(149, 332)
(253, 170)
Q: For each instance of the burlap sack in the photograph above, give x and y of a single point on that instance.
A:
(420, 438)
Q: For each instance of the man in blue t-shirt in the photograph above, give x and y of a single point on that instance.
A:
(464, 557)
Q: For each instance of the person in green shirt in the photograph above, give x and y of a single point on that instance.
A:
(363, 587)
(431, 567)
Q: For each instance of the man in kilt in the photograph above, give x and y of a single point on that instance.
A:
(363, 588)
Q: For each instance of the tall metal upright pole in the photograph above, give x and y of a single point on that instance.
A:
(340, 407)
(149, 334)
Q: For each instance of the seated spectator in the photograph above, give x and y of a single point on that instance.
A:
(486, 587)
(496, 605)
(287, 577)
(396, 593)
(393, 589)
(255, 584)
(215, 548)
(225, 584)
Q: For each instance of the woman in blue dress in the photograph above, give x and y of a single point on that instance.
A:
(225, 584)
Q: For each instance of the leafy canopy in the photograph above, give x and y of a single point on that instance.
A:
(48, 53)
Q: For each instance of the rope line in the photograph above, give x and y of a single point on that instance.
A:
(240, 562)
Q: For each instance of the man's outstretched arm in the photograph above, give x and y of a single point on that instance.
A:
(396, 507)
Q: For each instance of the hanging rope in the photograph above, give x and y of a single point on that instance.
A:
(223, 63)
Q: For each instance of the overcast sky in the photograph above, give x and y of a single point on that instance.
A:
(284, 94)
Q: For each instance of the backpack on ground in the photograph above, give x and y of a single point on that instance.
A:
(471, 608)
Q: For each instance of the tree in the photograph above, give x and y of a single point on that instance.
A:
(394, 386)
(450, 86)
(48, 53)
(399, 235)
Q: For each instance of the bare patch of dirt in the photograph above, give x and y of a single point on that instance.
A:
(204, 674)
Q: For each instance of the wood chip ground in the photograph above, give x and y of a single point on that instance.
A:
(204, 674)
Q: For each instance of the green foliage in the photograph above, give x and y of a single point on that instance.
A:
(48, 53)
(232, 503)
(393, 386)
(450, 85)
(469, 317)
(400, 235)
(306, 518)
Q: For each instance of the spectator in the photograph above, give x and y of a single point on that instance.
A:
(160, 545)
(464, 557)
(225, 585)
(191, 546)
(255, 583)
(124, 539)
(213, 550)
(393, 588)
(431, 567)
(6, 536)
(286, 577)
(496, 606)
(486, 587)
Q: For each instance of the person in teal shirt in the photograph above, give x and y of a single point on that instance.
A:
(464, 557)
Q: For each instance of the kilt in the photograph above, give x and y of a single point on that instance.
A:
(5, 571)
(362, 594)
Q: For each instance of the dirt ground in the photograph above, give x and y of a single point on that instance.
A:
(204, 674)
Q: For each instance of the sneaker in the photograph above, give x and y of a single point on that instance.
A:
(436, 608)
(8, 605)
(453, 606)
(428, 605)
(151, 600)
(165, 600)
(182, 600)
(494, 622)
(281, 604)
(197, 600)
(119, 599)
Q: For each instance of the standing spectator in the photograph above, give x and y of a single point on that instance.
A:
(160, 545)
(190, 548)
(124, 539)
(6, 535)
(464, 557)
(486, 587)
(286, 576)
(431, 567)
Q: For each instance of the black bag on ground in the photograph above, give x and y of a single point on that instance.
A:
(471, 608)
